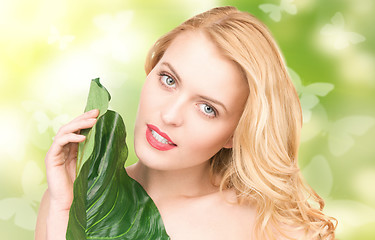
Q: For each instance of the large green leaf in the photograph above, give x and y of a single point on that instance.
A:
(98, 99)
(107, 203)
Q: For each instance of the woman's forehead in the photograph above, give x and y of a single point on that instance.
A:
(193, 52)
(201, 66)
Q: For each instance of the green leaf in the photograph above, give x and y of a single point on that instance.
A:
(107, 203)
(98, 99)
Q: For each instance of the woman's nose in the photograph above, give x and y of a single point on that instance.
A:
(172, 113)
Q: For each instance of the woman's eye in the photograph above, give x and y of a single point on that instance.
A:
(207, 110)
(167, 80)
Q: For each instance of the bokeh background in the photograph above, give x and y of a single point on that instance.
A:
(51, 49)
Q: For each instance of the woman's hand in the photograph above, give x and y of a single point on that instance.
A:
(60, 163)
(62, 157)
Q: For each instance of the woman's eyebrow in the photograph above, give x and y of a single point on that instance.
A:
(201, 96)
(172, 70)
(214, 101)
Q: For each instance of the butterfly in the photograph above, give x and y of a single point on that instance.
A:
(276, 10)
(51, 106)
(113, 24)
(309, 94)
(341, 132)
(336, 34)
(319, 166)
(116, 40)
(349, 213)
(23, 208)
(40, 121)
(44, 122)
(62, 40)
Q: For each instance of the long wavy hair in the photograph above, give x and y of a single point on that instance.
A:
(262, 165)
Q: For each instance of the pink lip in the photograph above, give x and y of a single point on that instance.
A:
(155, 143)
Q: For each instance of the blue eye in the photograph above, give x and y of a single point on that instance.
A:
(207, 110)
(167, 80)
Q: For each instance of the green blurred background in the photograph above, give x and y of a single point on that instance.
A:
(50, 50)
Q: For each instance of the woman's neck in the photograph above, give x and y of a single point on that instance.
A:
(173, 184)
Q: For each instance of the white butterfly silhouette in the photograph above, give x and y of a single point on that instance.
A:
(50, 106)
(114, 24)
(115, 40)
(276, 10)
(319, 166)
(62, 40)
(44, 122)
(341, 132)
(308, 94)
(336, 34)
(24, 208)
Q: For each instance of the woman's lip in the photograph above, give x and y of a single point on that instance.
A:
(155, 143)
(164, 135)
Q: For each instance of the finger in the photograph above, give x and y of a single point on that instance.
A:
(73, 153)
(71, 167)
(72, 156)
(90, 114)
(77, 125)
(61, 141)
(68, 138)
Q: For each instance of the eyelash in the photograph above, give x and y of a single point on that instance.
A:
(207, 115)
(163, 74)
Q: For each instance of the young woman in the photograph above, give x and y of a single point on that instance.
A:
(216, 135)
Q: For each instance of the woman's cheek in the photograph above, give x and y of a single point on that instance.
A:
(149, 97)
(208, 138)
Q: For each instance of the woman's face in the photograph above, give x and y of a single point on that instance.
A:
(190, 105)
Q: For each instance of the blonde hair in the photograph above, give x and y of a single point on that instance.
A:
(262, 165)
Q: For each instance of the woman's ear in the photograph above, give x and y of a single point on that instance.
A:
(229, 143)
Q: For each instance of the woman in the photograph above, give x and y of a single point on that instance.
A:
(216, 135)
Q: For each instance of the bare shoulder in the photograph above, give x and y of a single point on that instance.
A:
(296, 235)
(227, 205)
(292, 232)
(214, 216)
(237, 219)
